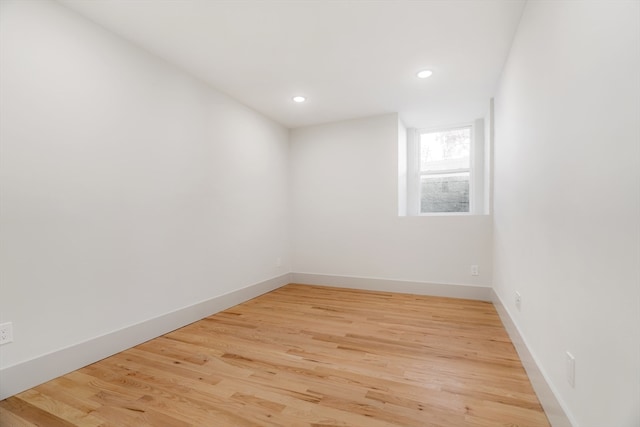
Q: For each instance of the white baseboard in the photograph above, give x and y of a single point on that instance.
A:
(552, 407)
(482, 293)
(17, 378)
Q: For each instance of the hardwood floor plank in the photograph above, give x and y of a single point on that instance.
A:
(32, 413)
(8, 418)
(304, 356)
(76, 416)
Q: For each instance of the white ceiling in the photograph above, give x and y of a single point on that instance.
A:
(349, 58)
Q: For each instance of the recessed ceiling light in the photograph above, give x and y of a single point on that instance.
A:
(299, 99)
(424, 74)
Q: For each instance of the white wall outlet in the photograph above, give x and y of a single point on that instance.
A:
(474, 270)
(279, 262)
(518, 300)
(571, 369)
(6, 333)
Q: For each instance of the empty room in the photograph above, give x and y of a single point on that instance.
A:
(320, 213)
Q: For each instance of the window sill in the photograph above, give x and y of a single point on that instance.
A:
(445, 214)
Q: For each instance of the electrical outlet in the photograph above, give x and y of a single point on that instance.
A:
(571, 369)
(6, 333)
(518, 300)
(474, 270)
(279, 262)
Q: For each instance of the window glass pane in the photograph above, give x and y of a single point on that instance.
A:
(445, 150)
(444, 192)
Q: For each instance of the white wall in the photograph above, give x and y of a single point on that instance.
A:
(403, 169)
(567, 200)
(487, 169)
(128, 189)
(345, 215)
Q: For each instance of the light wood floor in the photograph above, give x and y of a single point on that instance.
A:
(304, 356)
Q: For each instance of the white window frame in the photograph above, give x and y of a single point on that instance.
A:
(414, 173)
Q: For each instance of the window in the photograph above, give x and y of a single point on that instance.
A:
(445, 170)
